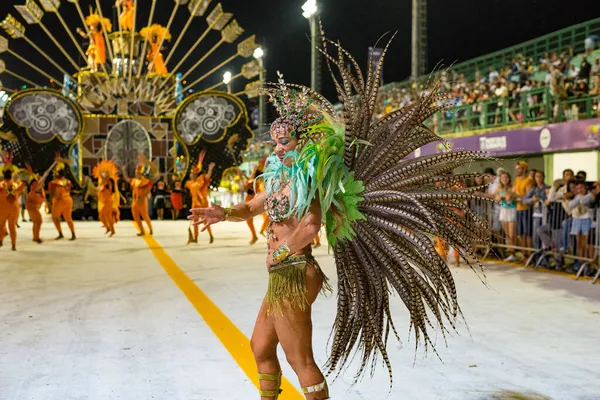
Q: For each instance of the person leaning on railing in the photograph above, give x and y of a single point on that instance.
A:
(536, 198)
(522, 185)
(582, 220)
(493, 181)
(554, 234)
(508, 214)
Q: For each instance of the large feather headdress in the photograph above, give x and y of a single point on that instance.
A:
(108, 167)
(298, 108)
(7, 159)
(94, 19)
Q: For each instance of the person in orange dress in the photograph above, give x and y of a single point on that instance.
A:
(176, 197)
(107, 174)
(96, 51)
(156, 35)
(9, 201)
(62, 203)
(254, 185)
(140, 189)
(34, 200)
(198, 186)
(127, 14)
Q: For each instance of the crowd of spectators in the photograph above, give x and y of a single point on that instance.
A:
(531, 218)
(505, 88)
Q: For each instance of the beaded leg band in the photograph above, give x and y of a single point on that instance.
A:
(321, 387)
(272, 378)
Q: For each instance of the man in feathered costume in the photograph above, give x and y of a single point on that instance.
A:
(382, 211)
(156, 35)
(198, 186)
(62, 202)
(107, 174)
(140, 190)
(10, 189)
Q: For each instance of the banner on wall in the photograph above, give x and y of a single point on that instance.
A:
(573, 135)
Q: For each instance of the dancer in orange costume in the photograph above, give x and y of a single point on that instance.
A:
(35, 198)
(116, 208)
(107, 174)
(176, 197)
(156, 35)
(140, 188)
(62, 203)
(198, 186)
(317, 241)
(96, 51)
(9, 200)
(127, 14)
(254, 185)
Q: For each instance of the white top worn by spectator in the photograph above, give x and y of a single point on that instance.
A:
(580, 206)
(590, 42)
(557, 195)
(573, 71)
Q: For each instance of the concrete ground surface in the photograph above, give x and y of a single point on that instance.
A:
(100, 318)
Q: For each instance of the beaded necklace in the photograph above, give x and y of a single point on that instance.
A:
(277, 207)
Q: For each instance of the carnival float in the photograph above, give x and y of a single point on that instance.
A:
(117, 91)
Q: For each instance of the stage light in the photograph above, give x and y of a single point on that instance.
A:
(309, 8)
(227, 77)
(258, 53)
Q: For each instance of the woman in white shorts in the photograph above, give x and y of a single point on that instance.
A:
(508, 212)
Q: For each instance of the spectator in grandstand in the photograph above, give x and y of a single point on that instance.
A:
(522, 185)
(584, 70)
(581, 175)
(508, 214)
(580, 206)
(595, 76)
(532, 173)
(536, 198)
(493, 75)
(590, 43)
(573, 72)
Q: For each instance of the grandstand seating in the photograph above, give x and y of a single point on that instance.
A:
(537, 106)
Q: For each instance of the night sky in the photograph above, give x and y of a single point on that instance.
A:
(458, 30)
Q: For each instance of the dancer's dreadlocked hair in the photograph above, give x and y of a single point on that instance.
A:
(406, 203)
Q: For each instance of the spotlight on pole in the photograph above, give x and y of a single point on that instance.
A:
(310, 11)
(227, 77)
(309, 8)
(259, 53)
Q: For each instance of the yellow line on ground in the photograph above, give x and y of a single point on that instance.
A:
(236, 343)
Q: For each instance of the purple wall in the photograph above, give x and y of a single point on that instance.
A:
(573, 135)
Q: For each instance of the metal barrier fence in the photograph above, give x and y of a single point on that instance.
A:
(546, 235)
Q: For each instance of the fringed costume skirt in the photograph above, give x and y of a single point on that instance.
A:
(287, 284)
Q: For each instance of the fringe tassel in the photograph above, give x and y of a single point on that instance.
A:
(287, 287)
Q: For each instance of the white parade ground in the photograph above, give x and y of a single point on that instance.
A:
(103, 319)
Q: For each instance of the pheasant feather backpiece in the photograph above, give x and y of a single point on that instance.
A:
(402, 204)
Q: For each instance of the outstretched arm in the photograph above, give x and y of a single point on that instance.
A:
(238, 213)
(125, 174)
(82, 33)
(211, 166)
(45, 176)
